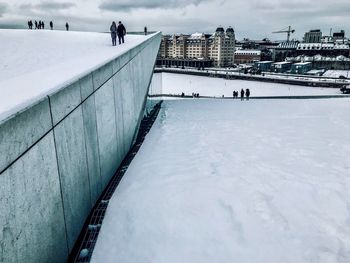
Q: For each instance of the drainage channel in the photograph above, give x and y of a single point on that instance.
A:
(85, 244)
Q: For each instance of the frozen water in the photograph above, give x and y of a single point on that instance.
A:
(231, 181)
(175, 84)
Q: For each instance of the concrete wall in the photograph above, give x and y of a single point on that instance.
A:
(59, 154)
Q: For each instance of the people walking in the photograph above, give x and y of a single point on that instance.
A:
(113, 30)
(67, 26)
(121, 32)
(242, 94)
(145, 29)
(30, 24)
(36, 24)
(51, 25)
(247, 93)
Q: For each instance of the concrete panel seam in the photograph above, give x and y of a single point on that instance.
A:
(53, 126)
(59, 179)
(86, 155)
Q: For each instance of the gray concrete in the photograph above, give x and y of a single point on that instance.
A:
(73, 171)
(58, 155)
(32, 225)
(107, 131)
(92, 151)
(87, 86)
(22, 131)
(64, 101)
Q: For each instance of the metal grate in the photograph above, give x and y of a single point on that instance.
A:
(86, 242)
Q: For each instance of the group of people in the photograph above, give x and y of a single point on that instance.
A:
(41, 25)
(246, 93)
(119, 31)
(195, 95)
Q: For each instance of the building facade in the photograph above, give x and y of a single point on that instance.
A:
(313, 36)
(218, 47)
(247, 56)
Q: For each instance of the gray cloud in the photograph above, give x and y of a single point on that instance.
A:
(46, 6)
(55, 5)
(3, 9)
(255, 19)
(125, 5)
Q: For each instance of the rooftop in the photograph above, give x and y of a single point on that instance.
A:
(39, 62)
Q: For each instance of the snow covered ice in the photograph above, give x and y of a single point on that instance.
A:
(35, 63)
(174, 84)
(231, 181)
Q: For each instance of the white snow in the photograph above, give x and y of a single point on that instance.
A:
(231, 181)
(207, 86)
(34, 63)
(336, 73)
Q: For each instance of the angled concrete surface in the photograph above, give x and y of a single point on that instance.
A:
(73, 171)
(58, 155)
(19, 133)
(107, 131)
(92, 150)
(32, 227)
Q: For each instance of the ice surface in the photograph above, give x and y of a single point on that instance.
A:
(231, 181)
(336, 73)
(36, 62)
(207, 86)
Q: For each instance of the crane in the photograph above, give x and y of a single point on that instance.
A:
(287, 30)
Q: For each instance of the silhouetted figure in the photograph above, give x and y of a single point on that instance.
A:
(247, 93)
(121, 31)
(67, 26)
(242, 94)
(36, 24)
(51, 25)
(182, 94)
(39, 25)
(145, 29)
(42, 25)
(30, 24)
(113, 30)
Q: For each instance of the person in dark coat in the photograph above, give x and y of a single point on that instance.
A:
(39, 25)
(121, 31)
(113, 30)
(247, 93)
(36, 24)
(67, 26)
(242, 94)
(51, 25)
(42, 25)
(145, 29)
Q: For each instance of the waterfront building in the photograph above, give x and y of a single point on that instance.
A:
(218, 47)
(301, 67)
(244, 56)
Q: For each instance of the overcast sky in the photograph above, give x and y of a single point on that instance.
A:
(254, 19)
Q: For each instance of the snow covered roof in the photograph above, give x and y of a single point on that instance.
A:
(302, 63)
(248, 52)
(197, 35)
(265, 62)
(282, 63)
(288, 45)
(39, 62)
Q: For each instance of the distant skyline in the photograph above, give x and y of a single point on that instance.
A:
(254, 19)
